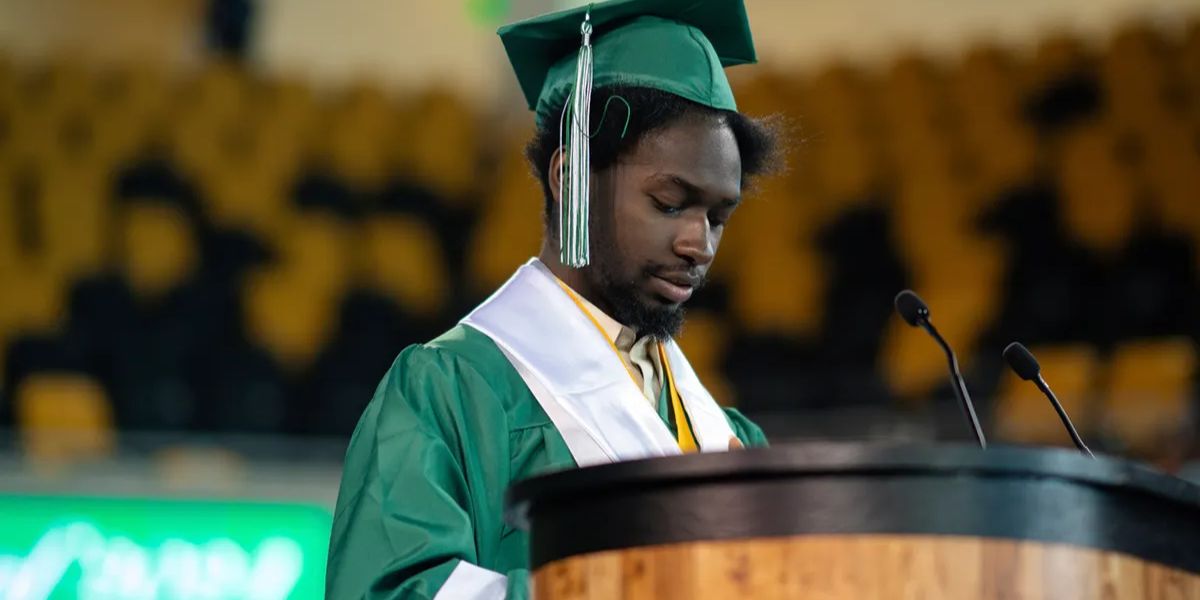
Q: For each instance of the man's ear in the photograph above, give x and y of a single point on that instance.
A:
(553, 177)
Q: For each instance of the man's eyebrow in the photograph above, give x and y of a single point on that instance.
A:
(694, 192)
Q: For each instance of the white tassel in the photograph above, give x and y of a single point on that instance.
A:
(574, 172)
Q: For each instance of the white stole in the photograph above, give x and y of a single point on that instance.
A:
(582, 385)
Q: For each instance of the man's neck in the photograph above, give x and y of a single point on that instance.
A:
(574, 278)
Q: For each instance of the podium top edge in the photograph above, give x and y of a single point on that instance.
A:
(850, 459)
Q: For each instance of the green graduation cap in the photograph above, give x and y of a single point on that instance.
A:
(677, 46)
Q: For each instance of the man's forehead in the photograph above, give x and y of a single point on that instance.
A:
(698, 157)
(731, 195)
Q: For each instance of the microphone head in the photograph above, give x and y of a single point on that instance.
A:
(911, 307)
(1022, 362)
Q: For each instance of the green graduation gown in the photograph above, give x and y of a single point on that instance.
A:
(451, 426)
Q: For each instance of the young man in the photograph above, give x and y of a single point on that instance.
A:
(571, 362)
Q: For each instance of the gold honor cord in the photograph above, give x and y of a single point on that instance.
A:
(683, 426)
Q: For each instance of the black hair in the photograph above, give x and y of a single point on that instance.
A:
(648, 110)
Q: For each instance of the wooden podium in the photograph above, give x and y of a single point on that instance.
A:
(850, 522)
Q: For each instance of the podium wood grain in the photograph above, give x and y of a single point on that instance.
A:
(861, 567)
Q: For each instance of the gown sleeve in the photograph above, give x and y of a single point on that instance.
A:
(751, 435)
(410, 511)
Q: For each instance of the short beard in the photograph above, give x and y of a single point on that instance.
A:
(619, 295)
(659, 321)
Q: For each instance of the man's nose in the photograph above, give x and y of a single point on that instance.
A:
(694, 241)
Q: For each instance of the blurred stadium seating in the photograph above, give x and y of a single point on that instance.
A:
(223, 251)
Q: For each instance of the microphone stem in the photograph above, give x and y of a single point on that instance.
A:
(959, 385)
(1062, 415)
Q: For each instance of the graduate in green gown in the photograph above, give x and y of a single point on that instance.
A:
(642, 157)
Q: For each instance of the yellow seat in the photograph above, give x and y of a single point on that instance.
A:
(58, 110)
(1148, 394)
(983, 85)
(917, 103)
(356, 139)
(931, 213)
(61, 86)
(403, 257)
(63, 416)
(1134, 73)
(918, 134)
(838, 96)
(286, 116)
(317, 252)
(847, 166)
(74, 216)
(28, 127)
(73, 134)
(840, 125)
(10, 133)
(69, 82)
(1097, 192)
(1189, 64)
(784, 295)
(984, 90)
(447, 135)
(130, 107)
(1005, 154)
(970, 276)
(247, 192)
(704, 339)
(8, 77)
(933, 220)
(1024, 415)
(217, 92)
(1171, 171)
(510, 230)
(240, 161)
(921, 151)
(52, 149)
(193, 146)
(33, 300)
(219, 142)
(10, 240)
(285, 318)
(158, 249)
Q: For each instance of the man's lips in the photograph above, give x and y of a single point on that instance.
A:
(676, 289)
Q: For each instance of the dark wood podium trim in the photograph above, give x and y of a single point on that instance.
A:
(1047, 496)
(849, 567)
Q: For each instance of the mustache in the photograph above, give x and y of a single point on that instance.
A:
(682, 275)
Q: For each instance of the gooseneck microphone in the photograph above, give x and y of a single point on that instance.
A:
(1022, 362)
(915, 312)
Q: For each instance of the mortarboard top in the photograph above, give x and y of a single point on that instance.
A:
(678, 46)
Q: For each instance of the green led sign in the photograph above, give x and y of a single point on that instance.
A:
(60, 548)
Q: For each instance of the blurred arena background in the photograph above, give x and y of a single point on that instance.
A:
(221, 220)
